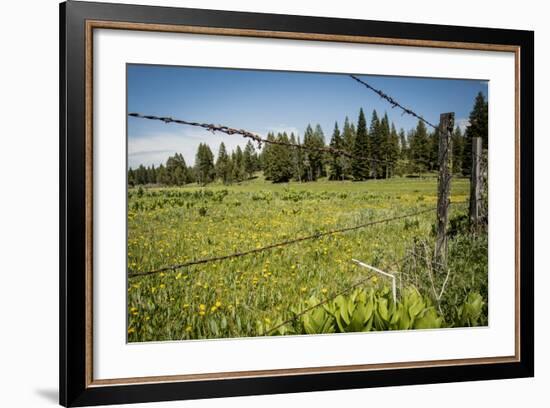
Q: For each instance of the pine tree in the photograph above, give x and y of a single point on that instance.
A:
(204, 164)
(478, 127)
(336, 164)
(376, 142)
(151, 174)
(383, 148)
(392, 152)
(223, 165)
(348, 140)
(131, 177)
(361, 152)
(267, 158)
(249, 160)
(313, 158)
(434, 150)
(403, 145)
(191, 174)
(176, 170)
(179, 176)
(297, 159)
(282, 165)
(238, 164)
(141, 175)
(162, 177)
(420, 148)
(324, 157)
(458, 146)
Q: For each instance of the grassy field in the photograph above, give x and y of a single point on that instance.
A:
(246, 296)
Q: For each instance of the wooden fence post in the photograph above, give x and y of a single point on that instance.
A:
(476, 182)
(446, 126)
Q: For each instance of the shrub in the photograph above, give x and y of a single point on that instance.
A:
(368, 310)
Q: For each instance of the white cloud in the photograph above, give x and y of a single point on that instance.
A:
(156, 148)
(462, 123)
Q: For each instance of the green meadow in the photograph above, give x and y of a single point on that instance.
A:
(247, 296)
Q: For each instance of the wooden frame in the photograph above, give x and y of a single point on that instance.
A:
(77, 22)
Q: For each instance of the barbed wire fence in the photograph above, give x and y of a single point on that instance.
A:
(444, 188)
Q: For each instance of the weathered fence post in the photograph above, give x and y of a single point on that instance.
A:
(476, 182)
(446, 126)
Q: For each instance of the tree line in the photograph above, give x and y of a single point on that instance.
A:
(378, 150)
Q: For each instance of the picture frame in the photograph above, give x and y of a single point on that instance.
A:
(79, 21)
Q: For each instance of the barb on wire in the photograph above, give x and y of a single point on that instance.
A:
(255, 137)
(393, 102)
(275, 245)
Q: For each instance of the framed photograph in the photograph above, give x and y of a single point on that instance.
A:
(257, 204)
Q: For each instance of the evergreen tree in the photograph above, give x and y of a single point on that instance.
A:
(281, 170)
(176, 170)
(458, 146)
(434, 150)
(361, 152)
(478, 127)
(297, 155)
(238, 164)
(383, 156)
(313, 158)
(204, 164)
(179, 176)
(223, 165)
(324, 157)
(131, 179)
(151, 174)
(420, 148)
(403, 145)
(162, 177)
(249, 163)
(267, 157)
(141, 175)
(392, 152)
(376, 143)
(336, 163)
(191, 174)
(348, 140)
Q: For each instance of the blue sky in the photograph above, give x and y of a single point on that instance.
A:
(264, 101)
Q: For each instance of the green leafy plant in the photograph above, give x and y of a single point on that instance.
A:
(470, 312)
(368, 310)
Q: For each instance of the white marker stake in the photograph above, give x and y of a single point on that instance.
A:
(393, 287)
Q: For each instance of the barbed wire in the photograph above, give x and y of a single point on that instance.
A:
(173, 268)
(393, 102)
(258, 139)
(245, 133)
